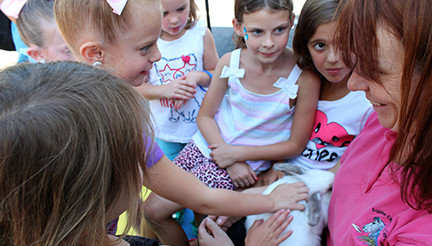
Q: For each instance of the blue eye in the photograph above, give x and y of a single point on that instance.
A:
(280, 30)
(257, 32)
(146, 48)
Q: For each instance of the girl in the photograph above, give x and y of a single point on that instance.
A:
(123, 40)
(176, 82)
(335, 126)
(69, 136)
(249, 104)
(39, 31)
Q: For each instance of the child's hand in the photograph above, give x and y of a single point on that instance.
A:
(288, 195)
(209, 234)
(241, 174)
(269, 231)
(179, 89)
(268, 177)
(177, 104)
(224, 155)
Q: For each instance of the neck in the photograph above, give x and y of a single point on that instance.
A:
(333, 91)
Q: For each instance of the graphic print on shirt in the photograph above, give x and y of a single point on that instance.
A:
(169, 70)
(370, 232)
(326, 135)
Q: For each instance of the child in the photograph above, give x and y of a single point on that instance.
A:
(250, 103)
(177, 82)
(39, 31)
(71, 138)
(341, 114)
(124, 41)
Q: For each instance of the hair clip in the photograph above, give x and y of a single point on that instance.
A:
(12, 7)
(117, 5)
(246, 36)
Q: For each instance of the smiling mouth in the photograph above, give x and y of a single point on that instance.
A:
(377, 104)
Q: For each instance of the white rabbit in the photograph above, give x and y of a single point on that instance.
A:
(307, 225)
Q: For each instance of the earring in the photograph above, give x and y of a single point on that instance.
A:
(42, 61)
(97, 63)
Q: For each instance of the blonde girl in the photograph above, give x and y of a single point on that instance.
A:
(179, 80)
(39, 31)
(69, 136)
(248, 111)
(123, 40)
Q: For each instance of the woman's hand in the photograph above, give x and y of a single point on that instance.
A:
(242, 175)
(269, 231)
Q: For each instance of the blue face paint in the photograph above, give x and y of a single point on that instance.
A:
(246, 36)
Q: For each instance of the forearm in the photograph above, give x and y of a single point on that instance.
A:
(151, 92)
(209, 129)
(277, 151)
(187, 190)
(201, 78)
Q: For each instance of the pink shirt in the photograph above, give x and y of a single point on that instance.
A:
(366, 206)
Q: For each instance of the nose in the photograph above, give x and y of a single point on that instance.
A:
(333, 55)
(268, 41)
(357, 83)
(174, 19)
(156, 55)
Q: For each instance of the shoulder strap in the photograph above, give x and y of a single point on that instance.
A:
(295, 74)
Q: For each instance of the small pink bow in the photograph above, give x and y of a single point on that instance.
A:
(12, 8)
(117, 5)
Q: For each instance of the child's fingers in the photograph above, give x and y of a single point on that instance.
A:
(256, 224)
(283, 237)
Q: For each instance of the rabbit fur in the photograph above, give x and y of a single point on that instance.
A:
(307, 225)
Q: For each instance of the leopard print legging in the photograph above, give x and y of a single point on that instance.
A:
(192, 160)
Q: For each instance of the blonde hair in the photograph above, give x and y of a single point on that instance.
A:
(193, 14)
(76, 17)
(71, 140)
(33, 19)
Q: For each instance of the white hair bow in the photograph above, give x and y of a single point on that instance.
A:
(117, 5)
(12, 8)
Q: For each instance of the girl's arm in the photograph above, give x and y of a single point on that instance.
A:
(178, 89)
(173, 183)
(212, 100)
(307, 100)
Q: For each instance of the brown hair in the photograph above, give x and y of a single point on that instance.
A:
(409, 21)
(78, 17)
(33, 18)
(244, 7)
(313, 14)
(71, 139)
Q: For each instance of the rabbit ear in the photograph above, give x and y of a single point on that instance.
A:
(288, 169)
(314, 209)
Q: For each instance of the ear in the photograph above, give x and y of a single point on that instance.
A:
(292, 20)
(91, 52)
(35, 52)
(237, 27)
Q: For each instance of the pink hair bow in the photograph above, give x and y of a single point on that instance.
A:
(117, 5)
(12, 8)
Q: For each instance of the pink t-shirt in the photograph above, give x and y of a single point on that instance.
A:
(366, 207)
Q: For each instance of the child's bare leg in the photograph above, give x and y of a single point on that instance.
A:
(158, 211)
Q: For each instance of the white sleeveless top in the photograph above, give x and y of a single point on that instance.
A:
(179, 57)
(252, 119)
